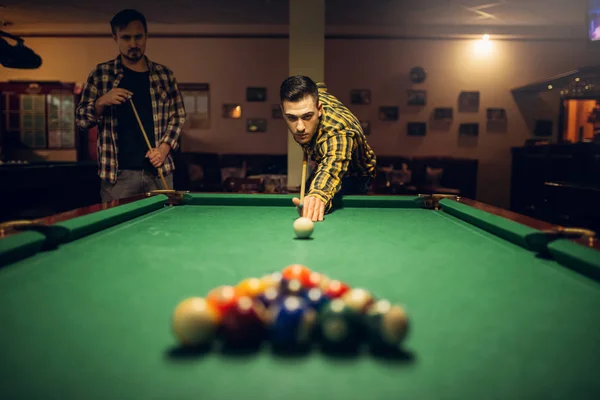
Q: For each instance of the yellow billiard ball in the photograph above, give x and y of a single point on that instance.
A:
(195, 322)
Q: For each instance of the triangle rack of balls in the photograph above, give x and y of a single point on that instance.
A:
(290, 309)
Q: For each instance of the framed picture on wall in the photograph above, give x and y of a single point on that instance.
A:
(443, 114)
(496, 114)
(366, 127)
(276, 111)
(256, 94)
(256, 125)
(232, 111)
(469, 129)
(388, 113)
(468, 102)
(360, 96)
(417, 97)
(416, 128)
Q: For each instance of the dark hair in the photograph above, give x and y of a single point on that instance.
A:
(125, 17)
(295, 88)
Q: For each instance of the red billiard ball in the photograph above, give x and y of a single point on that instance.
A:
(223, 298)
(336, 289)
(195, 322)
(245, 323)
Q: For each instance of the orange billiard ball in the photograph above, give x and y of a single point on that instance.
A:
(223, 298)
(296, 271)
(195, 322)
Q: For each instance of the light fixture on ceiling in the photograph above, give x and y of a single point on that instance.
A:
(17, 56)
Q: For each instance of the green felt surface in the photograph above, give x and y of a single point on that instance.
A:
(489, 319)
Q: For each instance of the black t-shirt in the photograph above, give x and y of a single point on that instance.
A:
(130, 139)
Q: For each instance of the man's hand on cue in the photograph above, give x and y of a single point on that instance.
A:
(313, 207)
(158, 155)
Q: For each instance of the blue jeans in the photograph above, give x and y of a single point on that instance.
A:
(131, 183)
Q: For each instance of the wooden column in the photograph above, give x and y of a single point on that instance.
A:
(307, 57)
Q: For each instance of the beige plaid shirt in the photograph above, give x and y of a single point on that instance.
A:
(167, 106)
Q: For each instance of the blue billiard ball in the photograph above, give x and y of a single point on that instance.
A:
(293, 323)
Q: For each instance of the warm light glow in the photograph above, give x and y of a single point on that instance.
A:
(550, 87)
(483, 47)
(576, 79)
(486, 37)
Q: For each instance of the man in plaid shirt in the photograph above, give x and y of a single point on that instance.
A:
(125, 164)
(333, 138)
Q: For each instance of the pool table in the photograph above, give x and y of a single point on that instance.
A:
(500, 306)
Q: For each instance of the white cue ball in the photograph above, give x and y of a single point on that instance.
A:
(303, 227)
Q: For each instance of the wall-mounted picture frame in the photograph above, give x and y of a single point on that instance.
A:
(276, 112)
(366, 127)
(388, 113)
(417, 97)
(469, 129)
(360, 96)
(256, 125)
(416, 128)
(468, 102)
(443, 114)
(196, 99)
(496, 114)
(256, 94)
(231, 110)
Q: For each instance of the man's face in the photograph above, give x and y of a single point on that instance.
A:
(132, 41)
(302, 118)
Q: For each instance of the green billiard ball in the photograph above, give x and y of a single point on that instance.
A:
(340, 325)
(386, 324)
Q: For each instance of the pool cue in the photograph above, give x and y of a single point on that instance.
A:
(303, 182)
(162, 178)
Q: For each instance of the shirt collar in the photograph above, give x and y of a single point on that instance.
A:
(118, 64)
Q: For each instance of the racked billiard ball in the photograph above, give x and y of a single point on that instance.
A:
(250, 287)
(270, 297)
(222, 298)
(195, 322)
(336, 289)
(245, 323)
(358, 299)
(271, 280)
(387, 324)
(293, 323)
(340, 326)
(292, 287)
(296, 271)
(315, 298)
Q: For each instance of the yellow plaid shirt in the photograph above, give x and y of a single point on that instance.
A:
(167, 106)
(339, 149)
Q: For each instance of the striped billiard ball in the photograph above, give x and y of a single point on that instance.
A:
(387, 325)
(358, 299)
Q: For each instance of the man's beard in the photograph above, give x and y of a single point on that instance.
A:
(133, 56)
